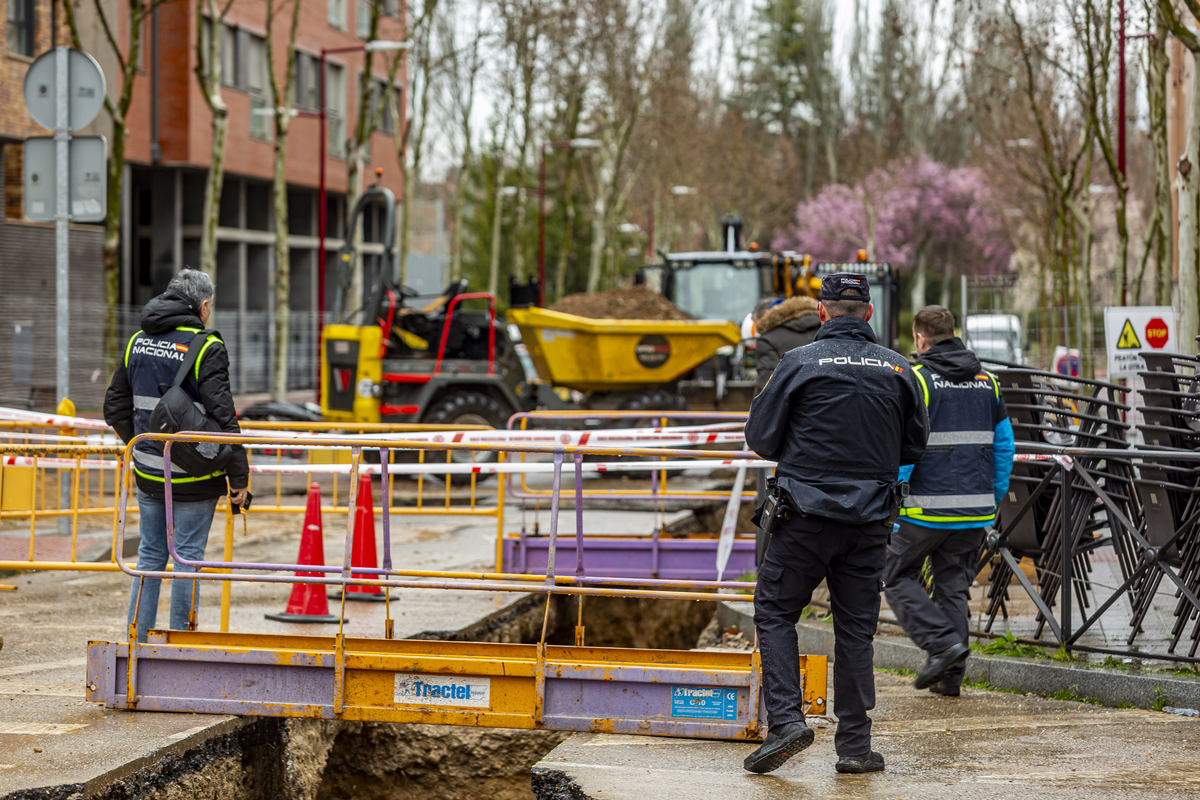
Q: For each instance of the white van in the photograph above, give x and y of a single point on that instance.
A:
(995, 336)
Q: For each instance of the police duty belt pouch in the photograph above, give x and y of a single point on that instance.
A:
(776, 507)
(176, 412)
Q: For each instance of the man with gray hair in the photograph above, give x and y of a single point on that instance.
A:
(172, 324)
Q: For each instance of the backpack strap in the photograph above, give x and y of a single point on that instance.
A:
(189, 361)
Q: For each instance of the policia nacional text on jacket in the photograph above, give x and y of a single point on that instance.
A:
(840, 416)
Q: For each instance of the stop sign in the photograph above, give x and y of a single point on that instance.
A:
(1156, 333)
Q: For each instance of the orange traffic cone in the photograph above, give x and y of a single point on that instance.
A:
(362, 549)
(308, 602)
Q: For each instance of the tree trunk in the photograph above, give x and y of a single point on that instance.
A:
(1164, 257)
(213, 187)
(459, 208)
(112, 247)
(947, 288)
(810, 158)
(354, 190)
(917, 296)
(282, 266)
(497, 225)
(605, 177)
(1122, 248)
(1188, 172)
(518, 250)
(405, 224)
(560, 273)
(831, 157)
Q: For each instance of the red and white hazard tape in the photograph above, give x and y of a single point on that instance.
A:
(453, 468)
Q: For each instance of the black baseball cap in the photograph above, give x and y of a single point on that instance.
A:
(833, 285)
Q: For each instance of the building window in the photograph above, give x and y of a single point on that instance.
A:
(362, 19)
(391, 8)
(20, 27)
(335, 108)
(381, 92)
(258, 85)
(306, 89)
(337, 14)
(230, 57)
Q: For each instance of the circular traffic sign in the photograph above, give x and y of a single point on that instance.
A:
(1156, 333)
(85, 92)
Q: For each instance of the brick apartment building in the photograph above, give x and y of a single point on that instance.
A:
(27, 286)
(167, 157)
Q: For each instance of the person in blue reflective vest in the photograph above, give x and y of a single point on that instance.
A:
(149, 364)
(953, 493)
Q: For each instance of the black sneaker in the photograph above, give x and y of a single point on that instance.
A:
(783, 742)
(946, 688)
(940, 663)
(856, 765)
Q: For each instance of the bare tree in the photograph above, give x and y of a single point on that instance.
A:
(1158, 233)
(1185, 181)
(1093, 27)
(493, 260)
(523, 30)
(210, 19)
(128, 61)
(569, 43)
(461, 64)
(409, 136)
(281, 98)
(625, 70)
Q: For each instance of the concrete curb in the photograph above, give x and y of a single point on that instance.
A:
(1106, 686)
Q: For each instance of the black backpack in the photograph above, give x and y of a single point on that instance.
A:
(177, 413)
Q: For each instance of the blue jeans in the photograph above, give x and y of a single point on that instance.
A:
(192, 521)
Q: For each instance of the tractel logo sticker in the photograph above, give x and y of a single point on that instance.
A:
(443, 690)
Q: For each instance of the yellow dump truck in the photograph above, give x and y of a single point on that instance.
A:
(617, 355)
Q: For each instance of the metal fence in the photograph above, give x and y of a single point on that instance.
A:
(28, 357)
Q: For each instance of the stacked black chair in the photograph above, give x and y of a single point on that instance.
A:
(1169, 490)
(1049, 412)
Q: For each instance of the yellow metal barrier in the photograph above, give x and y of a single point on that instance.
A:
(694, 694)
(658, 490)
(53, 473)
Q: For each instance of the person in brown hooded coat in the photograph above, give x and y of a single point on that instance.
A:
(783, 327)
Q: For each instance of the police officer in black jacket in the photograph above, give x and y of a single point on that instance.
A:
(840, 415)
(148, 365)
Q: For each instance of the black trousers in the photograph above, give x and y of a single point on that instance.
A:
(936, 624)
(803, 552)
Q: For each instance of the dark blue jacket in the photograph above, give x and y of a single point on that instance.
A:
(151, 359)
(840, 415)
(965, 470)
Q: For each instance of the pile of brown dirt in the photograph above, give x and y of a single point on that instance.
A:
(625, 302)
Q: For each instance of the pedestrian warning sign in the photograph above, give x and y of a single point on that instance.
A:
(1129, 338)
(1130, 330)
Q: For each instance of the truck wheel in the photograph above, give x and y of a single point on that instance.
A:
(464, 408)
(652, 400)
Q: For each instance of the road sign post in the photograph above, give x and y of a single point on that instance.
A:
(64, 90)
(62, 221)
